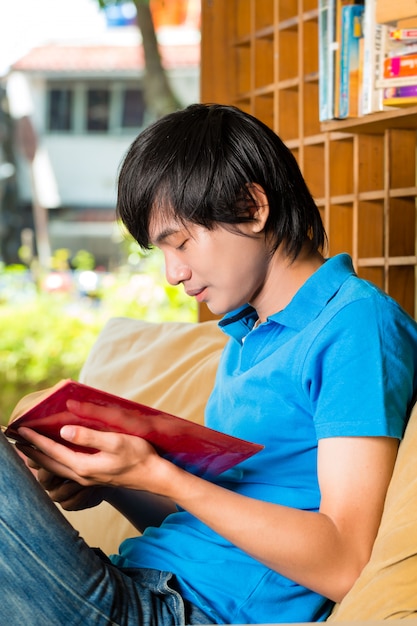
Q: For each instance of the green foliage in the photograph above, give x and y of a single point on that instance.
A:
(40, 343)
(47, 332)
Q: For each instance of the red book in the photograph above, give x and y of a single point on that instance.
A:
(196, 448)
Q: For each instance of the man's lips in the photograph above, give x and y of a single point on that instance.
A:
(196, 293)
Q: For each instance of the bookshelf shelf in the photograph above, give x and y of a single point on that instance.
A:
(375, 123)
(361, 171)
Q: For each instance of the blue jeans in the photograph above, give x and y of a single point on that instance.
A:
(50, 576)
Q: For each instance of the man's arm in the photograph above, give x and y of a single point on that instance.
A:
(141, 508)
(324, 551)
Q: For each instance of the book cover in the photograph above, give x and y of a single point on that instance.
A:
(198, 449)
(403, 34)
(400, 49)
(337, 49)
(370, 96)
(408, 101)
(408, 91)
(327, 53)
(400, 66)
(324, 112)
(349, 60)
(401, 96)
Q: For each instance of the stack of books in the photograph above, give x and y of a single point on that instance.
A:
(364, 66)
(340, 34)
(399, 75)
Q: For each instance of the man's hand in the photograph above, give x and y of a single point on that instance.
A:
(69, 494)
(115, 460)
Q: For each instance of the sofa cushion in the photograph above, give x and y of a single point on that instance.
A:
(387, 587)
(170, 366)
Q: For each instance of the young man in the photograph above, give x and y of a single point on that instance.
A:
(320, 368)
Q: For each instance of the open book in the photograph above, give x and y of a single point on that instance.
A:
(200, 450)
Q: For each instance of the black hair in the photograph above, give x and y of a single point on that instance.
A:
(201, 163)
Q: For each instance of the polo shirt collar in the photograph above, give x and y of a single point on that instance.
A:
(305, 306)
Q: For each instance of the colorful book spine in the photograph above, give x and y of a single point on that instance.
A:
(349, 60)
(324, 113)
(331, 33)
(403, 34)
(337, 52)
(407, 101)
(370, 97)
(400, 66)
(401, 92)
(401, 49)
(337, 45)
(326, 59)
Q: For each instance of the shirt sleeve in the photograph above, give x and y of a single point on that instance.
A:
(359, 372)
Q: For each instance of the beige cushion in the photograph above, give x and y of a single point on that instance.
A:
(170, 366)
(387, 587)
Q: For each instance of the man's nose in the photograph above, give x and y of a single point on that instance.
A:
(176, 272)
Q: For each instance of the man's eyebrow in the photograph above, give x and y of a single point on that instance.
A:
(164, 234)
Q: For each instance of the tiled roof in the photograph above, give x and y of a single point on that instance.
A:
(100, 58)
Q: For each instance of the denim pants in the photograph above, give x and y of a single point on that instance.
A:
(49, 576)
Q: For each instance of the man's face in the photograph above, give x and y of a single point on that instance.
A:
(222, 267)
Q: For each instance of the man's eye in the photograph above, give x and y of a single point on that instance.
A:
(182, 245)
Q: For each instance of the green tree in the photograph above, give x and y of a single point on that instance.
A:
(159, 96)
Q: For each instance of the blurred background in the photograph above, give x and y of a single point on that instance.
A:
(78, 81)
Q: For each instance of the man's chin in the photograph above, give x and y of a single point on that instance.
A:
(218, 310)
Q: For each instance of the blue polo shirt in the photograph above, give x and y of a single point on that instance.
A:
(339, 360)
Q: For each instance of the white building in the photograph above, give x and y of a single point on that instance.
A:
(85, 103)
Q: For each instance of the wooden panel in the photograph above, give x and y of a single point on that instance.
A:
(263, 61)
(402, 158)
(218, 70)
(371, 163)
(340, 230)
(401, 227)
(313, 169)
(264, 14)
(373, 274)
(288, 54)
(288, 114)
(390, 11)
(341, 167)
(371, 229)
(361, 171)
(402, 286)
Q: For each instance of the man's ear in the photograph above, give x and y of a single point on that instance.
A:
(260, 207)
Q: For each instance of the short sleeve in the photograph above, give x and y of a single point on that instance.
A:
(359, 371)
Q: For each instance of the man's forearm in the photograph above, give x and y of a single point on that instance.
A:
(141, 508)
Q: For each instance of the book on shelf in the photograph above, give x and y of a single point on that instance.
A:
(370, 61)
(400, 66)
(349, 60)
(401, 96)
(327, 59)
(400, 102)
(337, 48)
(325, 40)
(402, 34)
(196, 448)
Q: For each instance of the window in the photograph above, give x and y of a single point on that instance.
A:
(60, 108)
(79, 107)
(98, 109)
(133, 108)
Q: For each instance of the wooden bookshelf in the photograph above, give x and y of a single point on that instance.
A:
(262, 56)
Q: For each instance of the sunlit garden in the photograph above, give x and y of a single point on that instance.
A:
(50, 320)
